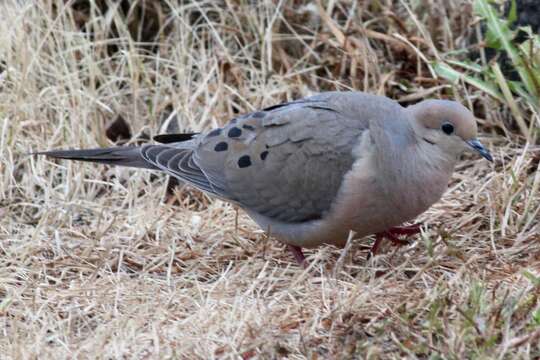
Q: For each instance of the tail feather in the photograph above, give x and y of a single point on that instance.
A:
(121, 156)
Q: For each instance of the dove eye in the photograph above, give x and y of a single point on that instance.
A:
(447, 128)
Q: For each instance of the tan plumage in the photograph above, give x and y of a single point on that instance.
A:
(313, 169)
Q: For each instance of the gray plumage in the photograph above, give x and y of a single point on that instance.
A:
(313, 169)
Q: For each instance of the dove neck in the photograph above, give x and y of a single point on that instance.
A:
(420, 173)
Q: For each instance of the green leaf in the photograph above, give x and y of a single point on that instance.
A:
(500, 30)
(530, 53)
(494, 32)
(492, 41)
(536, 317)
(510, 101)
(517, 88)
(467, 66)
(512, 14)
(454, 76)
(535, 280)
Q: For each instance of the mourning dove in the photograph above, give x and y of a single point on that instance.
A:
(312, 170)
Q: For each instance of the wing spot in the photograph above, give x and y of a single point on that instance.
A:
(222, 146)
(214, 132)
(244, 161)
(234, 132)
(248, 127)
(264, 154)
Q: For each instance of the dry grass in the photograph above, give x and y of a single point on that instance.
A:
(101, 262)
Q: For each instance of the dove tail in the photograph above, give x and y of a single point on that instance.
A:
(121, 156)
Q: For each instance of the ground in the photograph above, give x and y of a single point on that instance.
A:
(113, 263)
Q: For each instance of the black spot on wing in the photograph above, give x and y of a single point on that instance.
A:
(264, 154)
(222, 146)
(244, 161)
(248, 127)
(234, 132)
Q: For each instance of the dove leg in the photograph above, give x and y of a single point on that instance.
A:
(298, 254)
(376, 245)
(392, 235)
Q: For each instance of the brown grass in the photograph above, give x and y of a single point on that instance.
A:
(100, 262)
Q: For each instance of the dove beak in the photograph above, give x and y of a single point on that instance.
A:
(477, 146)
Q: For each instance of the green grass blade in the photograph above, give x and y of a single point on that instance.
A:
(444, 70)
(530, 53)
(518, 89)
(510, 101)
(500, 29)
(467, 66)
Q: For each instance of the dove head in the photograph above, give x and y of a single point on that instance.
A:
(447, 125)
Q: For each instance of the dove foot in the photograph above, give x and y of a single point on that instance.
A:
(298, 255)
(393, 234)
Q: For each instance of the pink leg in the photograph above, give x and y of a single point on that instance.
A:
(298, 255)
(375, 247)
(392, 235)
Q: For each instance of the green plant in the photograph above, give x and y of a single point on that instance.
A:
(520, 94)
